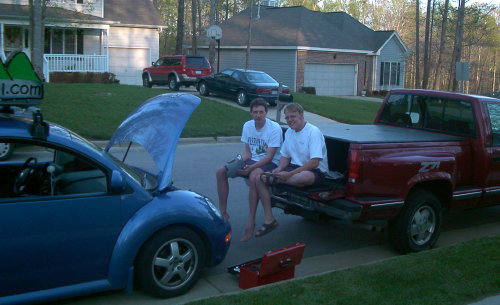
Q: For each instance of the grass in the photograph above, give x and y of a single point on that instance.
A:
(452, 275)
(95, 110)
(340, 109)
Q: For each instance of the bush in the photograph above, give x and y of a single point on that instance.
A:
(308, 90)
(83, 77)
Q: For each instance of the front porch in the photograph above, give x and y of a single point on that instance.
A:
(67, 49)
(74, 63)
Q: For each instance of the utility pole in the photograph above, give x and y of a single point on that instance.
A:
(249, 41)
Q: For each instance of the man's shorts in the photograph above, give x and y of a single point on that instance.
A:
(268, 167)
(319, 176)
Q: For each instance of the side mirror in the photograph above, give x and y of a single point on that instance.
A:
(117, 183)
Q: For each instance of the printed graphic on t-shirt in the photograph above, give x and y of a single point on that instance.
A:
(259, 146)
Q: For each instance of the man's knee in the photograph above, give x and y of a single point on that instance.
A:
(221, 173)
(255, 174)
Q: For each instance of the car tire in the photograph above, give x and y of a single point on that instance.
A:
(242, 98)
(145, 81)
(6, 150)
(203, 88)
(170, 262)
(173, 84)
(418, 225)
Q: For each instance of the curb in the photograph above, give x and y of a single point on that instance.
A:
(185, 141)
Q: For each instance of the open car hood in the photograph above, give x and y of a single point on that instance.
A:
(157, 125)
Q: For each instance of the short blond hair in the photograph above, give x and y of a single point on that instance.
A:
(294, 107)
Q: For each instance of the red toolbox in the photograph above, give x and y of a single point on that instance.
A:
(274, 266)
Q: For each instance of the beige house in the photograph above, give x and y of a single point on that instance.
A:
(121, 37)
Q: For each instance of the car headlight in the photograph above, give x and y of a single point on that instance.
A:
(212, 206)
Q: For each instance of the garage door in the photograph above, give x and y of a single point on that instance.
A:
(331, 80)
(127, 64)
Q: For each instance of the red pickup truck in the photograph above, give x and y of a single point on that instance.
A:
(426, 151)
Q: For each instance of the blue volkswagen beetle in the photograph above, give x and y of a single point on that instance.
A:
(75, 220)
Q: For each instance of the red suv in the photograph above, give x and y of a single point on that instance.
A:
(176, 71)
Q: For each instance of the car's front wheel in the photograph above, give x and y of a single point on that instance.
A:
(170, 262)
(145, 81)
(203, 88)
(418, 225)
(242, 98)
(173, 84)
(6, 150)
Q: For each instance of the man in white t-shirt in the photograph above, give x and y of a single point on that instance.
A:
(303, 159)
(262, 138)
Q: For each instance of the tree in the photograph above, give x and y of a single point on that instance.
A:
(457, 48)
(194, 46)
(37, 35)
(417, 44)
(180, 27)
(442, 44)
(427, 45)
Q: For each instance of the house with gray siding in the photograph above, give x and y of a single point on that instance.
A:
(121, 37)
(331, 51)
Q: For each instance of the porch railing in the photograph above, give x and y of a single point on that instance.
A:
(73, 63)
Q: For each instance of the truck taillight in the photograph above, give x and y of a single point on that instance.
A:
(354, 166)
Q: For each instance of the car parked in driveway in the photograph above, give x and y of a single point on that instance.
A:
(176, 71)
(243, 86)
(75, 219)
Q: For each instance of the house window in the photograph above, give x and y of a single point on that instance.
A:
(59, 41)
(389, 73)
(79, 1)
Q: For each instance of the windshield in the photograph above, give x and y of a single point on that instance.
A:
(259, 77)
(197, 62)
(145, 179)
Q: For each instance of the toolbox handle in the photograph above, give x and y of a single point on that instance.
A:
(285, 263)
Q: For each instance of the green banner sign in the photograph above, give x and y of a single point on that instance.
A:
(19, 84)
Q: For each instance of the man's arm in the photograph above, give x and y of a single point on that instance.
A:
(309, 165)
(270, 151)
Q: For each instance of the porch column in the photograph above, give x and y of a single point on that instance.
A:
(107, 49)
(2, 53)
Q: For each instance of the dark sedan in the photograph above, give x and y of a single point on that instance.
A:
(244, 85)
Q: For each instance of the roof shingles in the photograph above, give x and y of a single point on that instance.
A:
(298, 26)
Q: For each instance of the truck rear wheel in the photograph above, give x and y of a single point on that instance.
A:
(418, 225)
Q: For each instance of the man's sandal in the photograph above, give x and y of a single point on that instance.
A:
(266, 228)
(268, 178)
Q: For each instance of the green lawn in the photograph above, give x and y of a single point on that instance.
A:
(95, 110)
(452, 275)
(339, 109)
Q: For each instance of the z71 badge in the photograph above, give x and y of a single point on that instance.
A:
(428, 166)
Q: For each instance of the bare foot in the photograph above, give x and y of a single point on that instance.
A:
(247, 234)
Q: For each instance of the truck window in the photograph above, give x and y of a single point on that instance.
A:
(450, 116)
(431, 113)
(494, 113)
(403, 110)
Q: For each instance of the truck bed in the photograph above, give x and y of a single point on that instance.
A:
(381, 134)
